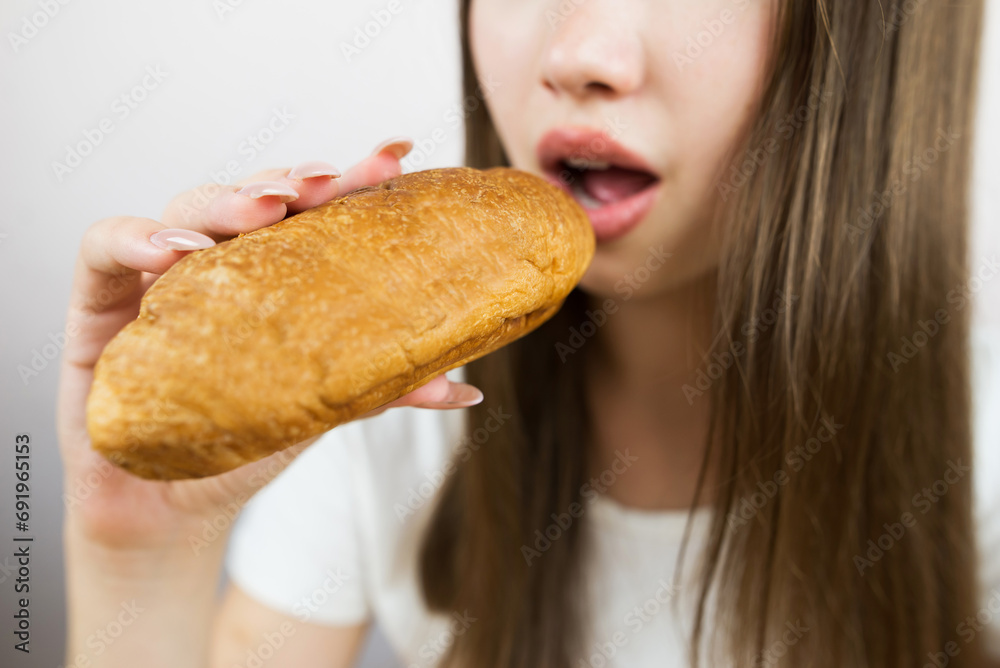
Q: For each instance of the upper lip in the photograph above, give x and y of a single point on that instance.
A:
(561, 144)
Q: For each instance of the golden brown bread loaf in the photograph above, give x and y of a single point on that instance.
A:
(262, 341)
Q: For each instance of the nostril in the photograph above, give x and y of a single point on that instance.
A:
(593, 87)
(598, 87)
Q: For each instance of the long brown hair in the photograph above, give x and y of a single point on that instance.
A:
(860, 211)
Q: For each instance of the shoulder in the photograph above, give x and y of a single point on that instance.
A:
(985, 354)
(985, 346)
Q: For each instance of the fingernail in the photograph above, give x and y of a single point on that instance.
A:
(269, 189)
(309, 170)
(397, 146)
(460, 395)
(181, 240)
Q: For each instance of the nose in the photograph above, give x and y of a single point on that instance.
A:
(594, 51)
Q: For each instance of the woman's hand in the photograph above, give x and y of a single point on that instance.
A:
(119, 259)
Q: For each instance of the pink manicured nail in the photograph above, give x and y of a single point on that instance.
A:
(310, 170)
(397, 146)
(181, 240)
(269, 189)
(460, 395)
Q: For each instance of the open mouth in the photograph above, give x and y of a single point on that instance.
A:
(597, 183)
(615, 186)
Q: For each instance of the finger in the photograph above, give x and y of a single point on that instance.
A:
(438, 393)
(122, 247)
(222, 212)
(314, 181)
(269, 196)
(260, 203)
(382, 164)
(116, 256)
(455, 395)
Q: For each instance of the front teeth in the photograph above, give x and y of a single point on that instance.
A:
(583, 197)
(583, 163)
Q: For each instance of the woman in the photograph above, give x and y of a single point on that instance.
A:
(745, 440)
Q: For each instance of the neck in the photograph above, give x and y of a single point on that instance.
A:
(643, 356)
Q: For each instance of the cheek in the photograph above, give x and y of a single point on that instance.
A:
(717, 70)
(506, 37)
(708, 105)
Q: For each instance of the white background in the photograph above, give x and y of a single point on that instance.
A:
(225, 74)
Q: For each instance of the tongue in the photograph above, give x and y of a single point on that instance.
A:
(611, 185)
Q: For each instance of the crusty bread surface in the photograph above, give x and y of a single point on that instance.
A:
(262, 341)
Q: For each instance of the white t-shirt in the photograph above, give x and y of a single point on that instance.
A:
(334, 538)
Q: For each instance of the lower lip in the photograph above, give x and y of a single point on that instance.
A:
(613, 221)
